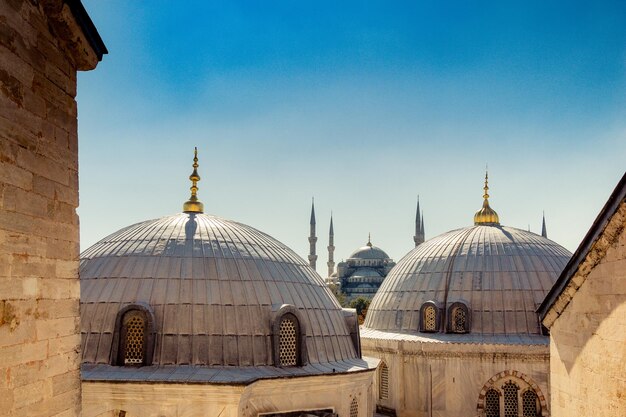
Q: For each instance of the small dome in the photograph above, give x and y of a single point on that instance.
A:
(369, 252)
(501, 274)
(213, 286)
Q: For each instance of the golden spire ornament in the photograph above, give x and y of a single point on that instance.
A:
(486, 215)
(193, 205)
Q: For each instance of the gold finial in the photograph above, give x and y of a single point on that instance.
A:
(193, 205)
(369, 240)
(486, 215)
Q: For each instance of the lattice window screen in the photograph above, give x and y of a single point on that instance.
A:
(288, 342)
(510, 399)
(383, 386)
(492, 404)
(430, 319)
(354, 408)
(529, 404)
(459, 320)
(135, 329)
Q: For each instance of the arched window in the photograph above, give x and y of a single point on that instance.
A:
(383, 382)
(459, 320)
(354, 408)
(510, 394)
(429, 317)
(134, 336)
(510, 399)
(492, 403)
(289, 341)
(530, 404)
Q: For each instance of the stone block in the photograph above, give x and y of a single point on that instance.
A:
(54, 328)
(43, 166)
(28, 394)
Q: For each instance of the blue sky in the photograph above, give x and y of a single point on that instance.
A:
(363, 105)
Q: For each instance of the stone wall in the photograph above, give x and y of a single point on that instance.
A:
(41, 48)
(449, 379)
(268, 396)
(588, 339)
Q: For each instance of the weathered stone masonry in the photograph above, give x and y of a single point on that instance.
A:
(42, 46)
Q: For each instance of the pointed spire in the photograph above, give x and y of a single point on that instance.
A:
(369, 240)
(544, 231)
(419, 225)
(486, 215)
(312, 237)
(313, 210)
(193, 205)
(331, 231)
(422, 229)
(331, 248)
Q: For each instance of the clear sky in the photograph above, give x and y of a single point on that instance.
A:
(363, 105)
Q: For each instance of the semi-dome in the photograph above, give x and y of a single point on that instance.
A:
(496, 275)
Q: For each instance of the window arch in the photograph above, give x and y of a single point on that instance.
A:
(458, 318)
(510, 393)
(133, 341)
(492, 403)
(429, 317)
(354, 408)
(530, 404)
(383, 381)
(288, 336)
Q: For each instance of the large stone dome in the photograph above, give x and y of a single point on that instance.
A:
(214, 288)
(500, 275)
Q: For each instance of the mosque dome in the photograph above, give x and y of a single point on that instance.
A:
(369, 251)
(486, 279)
(212, 292)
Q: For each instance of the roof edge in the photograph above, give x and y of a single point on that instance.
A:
(595, 231)
(88, 28)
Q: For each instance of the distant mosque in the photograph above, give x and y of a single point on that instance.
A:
(362, 274)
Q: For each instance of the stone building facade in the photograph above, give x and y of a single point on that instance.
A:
(586, 314)
(42, 46)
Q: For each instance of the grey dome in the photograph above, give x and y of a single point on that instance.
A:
(501, 274)
(213, 285)
(369, 252)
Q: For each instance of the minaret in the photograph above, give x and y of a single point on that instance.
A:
(422, 229)
(331, 248)
(544, 232)
(419, 225)
(312, 238)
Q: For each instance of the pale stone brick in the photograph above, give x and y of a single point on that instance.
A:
(11, 174)
(65, 382)
(43, 166)
(54, 328)
(28, 394)
(22, 353)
